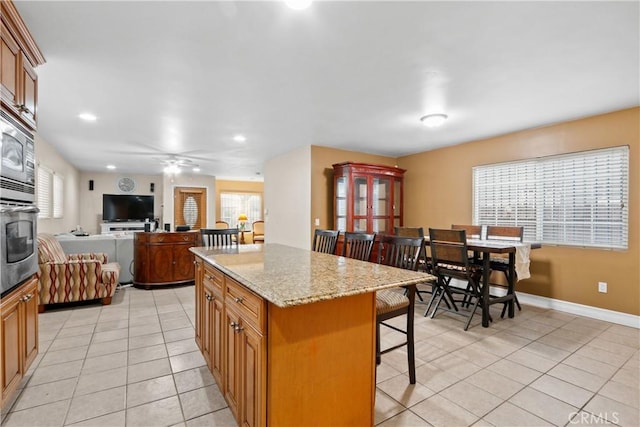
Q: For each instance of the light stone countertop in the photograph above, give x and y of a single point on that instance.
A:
(288, 276)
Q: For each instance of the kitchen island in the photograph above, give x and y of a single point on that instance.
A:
(289, 334)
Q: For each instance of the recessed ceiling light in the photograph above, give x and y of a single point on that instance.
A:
(111, 166)
(298, 4)
(239, 138)
(88, 117)
(433, 120)
(196, 169)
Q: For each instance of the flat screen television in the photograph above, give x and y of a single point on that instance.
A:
(126, 207)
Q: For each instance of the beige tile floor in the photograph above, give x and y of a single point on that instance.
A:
(135, 363)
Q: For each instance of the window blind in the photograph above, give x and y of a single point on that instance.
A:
(58, 196)
(45, 191)
(234, 204)
(577, 199)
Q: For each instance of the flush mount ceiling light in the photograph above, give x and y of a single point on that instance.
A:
(239, 138)
(196, 169)
(298, 4)
(88, 117)
(111, 166)
(433, 120)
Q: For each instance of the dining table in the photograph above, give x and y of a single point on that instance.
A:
(487, 247)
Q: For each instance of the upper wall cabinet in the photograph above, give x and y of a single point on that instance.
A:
(367, 198)
(19, 55)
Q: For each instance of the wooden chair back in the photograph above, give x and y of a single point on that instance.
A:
(472, 231)
(221, 225)
(213, 237)
(448, 249)
(325, 241)
(503, 232)
(401, 252)
(408, 231)
(358, 245)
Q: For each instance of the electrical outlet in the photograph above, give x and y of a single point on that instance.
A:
(317, 222)
(602, 287)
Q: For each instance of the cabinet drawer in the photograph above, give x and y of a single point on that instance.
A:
(172, 237)
(215, 277)
(250, 306)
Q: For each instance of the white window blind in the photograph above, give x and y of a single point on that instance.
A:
(578, 199)
(234, 204)
(58, 198)
(45, 191)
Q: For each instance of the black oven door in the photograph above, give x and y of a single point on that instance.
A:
(18, 244)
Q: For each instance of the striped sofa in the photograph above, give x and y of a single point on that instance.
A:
(70, 278)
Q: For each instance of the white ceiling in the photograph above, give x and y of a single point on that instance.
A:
(185, 77)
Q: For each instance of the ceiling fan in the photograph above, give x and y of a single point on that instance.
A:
(173, 164)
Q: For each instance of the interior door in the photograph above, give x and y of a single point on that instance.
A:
(190, 207)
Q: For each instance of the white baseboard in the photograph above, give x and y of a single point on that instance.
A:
(581, 310)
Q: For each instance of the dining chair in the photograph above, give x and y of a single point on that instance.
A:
(424, 261)
(325, 241)
(213, 237)
(472, 232)
(258, 231)
(501, 263)
(358, 245)
(449, 255)
(221, 225)
(401, 252)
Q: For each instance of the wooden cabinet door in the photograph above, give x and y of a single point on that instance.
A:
(232, 362)
(199, 301)
(29, 86)
(9, 70)
(30, 311)
(161, 263)
(207, 322)
(183, 262)
(253, 406)
(11, 340)
(218, 328)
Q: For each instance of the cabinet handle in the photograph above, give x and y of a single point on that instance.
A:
(233, 325)
(238, 299)
(238, 328)
(209, 297)
(210, 277)
(26, 298)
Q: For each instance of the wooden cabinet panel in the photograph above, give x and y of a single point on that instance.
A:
(183, 262)
(207, 324)
(18, 56)
(9, 70)
(163, 258)
(199, 301)
(11, 330)
(253, 405)
(218, 327)
(232, 365)
(19, 334)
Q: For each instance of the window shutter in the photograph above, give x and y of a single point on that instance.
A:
(58, 196)
(45, 192)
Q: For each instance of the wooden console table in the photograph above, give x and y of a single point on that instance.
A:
(163, 258)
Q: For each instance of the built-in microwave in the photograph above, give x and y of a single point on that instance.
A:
(17, 168)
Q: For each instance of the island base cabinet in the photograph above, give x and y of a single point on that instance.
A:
(310, 364)
(18, 335)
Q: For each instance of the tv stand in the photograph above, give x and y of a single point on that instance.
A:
(110, 227)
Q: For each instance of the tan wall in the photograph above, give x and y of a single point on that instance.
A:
(107, 183)
(49, 157)
(438, 193)
(322, 161)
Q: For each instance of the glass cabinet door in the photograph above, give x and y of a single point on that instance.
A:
(360, 196)
(381, 202)
(341, 203)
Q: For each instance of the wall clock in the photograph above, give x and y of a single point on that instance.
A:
(126, 184)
